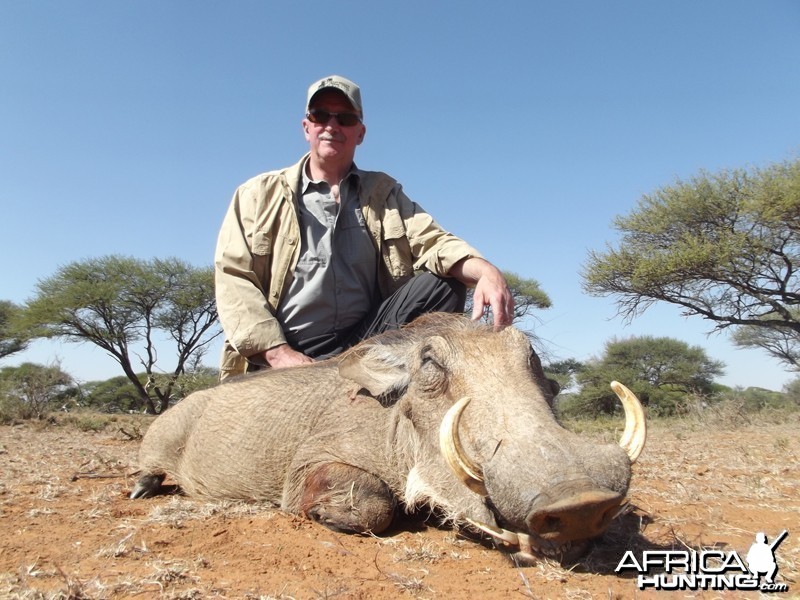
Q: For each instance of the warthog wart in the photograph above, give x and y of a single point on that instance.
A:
(444, 414)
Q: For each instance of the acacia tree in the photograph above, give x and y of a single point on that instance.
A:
(722, 246)
(122, 305)
(661, 371)
(783, 344)
(11, 341)
(118, 394)
(564, 372)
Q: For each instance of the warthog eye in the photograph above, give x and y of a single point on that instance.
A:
(432, 376)
(428, 358)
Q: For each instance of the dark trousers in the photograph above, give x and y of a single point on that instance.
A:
(423, 294)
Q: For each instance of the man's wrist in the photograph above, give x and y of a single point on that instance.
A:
(274, 353)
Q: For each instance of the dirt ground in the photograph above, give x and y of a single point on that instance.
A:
(69, 531)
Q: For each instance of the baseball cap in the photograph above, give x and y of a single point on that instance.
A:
(335, 82)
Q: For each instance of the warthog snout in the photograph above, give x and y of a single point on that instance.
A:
(575, 515)
(573, 495)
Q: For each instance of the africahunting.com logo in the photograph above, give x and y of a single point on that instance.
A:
(707, 569)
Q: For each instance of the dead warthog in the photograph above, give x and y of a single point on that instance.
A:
(443, 413)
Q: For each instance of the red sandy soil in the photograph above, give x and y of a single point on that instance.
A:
(70, 531)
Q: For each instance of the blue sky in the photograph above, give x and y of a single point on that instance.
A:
(523, 127)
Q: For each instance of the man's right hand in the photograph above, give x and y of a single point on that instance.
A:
(284, 356)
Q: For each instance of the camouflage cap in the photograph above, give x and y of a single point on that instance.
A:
(335, 82)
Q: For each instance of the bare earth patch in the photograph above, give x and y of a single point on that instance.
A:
(69, 530)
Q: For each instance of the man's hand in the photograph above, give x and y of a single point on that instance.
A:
(284, 356)
(491, 290)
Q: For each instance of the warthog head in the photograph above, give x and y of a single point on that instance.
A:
(475, 435)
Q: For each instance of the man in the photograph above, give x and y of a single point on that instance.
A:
(315, 257)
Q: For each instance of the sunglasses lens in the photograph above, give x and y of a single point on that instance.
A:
(347, 119)
(321, 117)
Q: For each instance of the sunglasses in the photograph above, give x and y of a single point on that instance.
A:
(321, 116)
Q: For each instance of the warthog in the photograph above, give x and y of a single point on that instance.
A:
(443, 413)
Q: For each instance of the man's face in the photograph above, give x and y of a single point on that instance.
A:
(331, 141)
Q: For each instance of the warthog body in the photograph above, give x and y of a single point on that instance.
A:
(347, 440)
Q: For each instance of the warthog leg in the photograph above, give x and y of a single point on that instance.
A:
(346, 498)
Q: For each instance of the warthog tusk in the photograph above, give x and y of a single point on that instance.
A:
(635, 434)
(518, 540)
(467, 471)
(504, 535)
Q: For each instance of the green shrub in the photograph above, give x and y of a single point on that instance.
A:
(13, 410)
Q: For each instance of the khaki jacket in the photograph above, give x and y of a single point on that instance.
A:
(259, 245)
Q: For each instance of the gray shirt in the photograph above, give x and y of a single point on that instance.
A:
(334, 282)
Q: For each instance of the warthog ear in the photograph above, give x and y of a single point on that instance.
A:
(380, 368)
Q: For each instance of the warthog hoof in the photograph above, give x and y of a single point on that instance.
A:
(147, 486)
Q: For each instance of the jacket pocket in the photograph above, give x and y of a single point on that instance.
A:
(398, 254)
(232, 362)
(262, 243)
(396, 247)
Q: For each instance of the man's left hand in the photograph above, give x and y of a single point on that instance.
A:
(491, 290)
